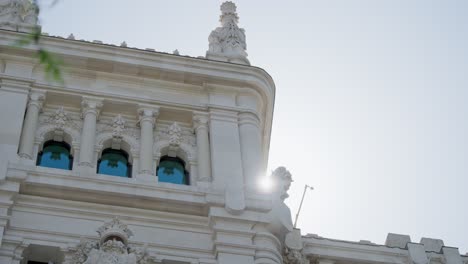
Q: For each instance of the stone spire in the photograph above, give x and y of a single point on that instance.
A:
(227, 43)
(18, 15)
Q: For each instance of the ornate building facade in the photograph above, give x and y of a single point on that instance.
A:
(147, 157)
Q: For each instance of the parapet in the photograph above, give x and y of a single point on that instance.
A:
(431, 244)
(397, 240)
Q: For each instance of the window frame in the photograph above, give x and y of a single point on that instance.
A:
(54, 142)
(120, 151)
(176, 159)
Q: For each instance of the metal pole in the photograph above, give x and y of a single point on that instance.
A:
(300, 205)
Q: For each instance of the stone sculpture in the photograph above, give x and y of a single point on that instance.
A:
(281, 223)
(227, 43)
(19, 15)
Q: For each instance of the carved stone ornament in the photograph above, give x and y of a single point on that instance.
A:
(294, 256)
(227, 43)
(112, 247)
(118, 128)
(175, 134)
(114, 228)
(20, 15)
(282, 180)
(293, 247)
(60, 120)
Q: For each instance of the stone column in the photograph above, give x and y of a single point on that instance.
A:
(90, 112)
(251, 148)
(147, 119)
(26, 147)
(200, 125)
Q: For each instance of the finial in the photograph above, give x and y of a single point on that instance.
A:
(19, 15)
(227, 43)
(228, 8)
(123, 44)
(176, 52)
(71, 36)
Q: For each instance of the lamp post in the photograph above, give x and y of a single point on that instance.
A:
(302, 200)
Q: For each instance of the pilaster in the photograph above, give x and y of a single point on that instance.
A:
(14, 95)
(226, 158)
(251, 148)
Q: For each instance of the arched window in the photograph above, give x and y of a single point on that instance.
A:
(55, 154)
(114, 162)
(172, 170)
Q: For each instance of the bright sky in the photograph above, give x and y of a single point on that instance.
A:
(370, 105)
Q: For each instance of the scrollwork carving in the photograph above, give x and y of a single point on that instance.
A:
(60, 124)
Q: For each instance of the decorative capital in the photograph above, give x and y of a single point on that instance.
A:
(200, 120)
(36, 98)
(90, 106)
(227, 43)
(147, 114)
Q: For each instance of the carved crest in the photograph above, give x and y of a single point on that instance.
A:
(112, 247)
(114, 228)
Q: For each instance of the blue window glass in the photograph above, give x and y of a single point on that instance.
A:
(114, 162)
(55, 155)
(172, 170)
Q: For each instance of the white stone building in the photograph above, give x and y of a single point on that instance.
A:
(147, 157)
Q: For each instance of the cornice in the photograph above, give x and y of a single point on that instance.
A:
(143, 57)
(112, 59)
